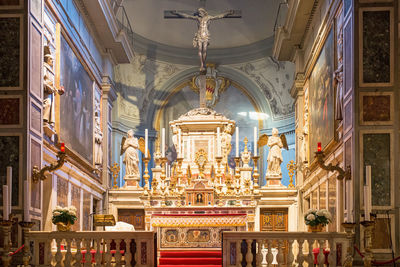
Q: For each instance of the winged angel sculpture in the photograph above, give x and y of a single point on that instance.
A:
(275, 143)
(129, 145)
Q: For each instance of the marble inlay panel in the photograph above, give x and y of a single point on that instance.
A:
(35, 74)
(62, 192)
(35, 161)
(376, 108)
(376, 152)
(86, 211)
(348, 115)
(376, 46)
(10, 52)
(36, 121)
(9, 111)
(347, 59)
(9, 156)
(76, 202)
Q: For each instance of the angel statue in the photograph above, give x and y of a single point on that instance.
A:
(275, 143)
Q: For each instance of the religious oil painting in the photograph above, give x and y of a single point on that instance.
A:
(76, 105)
(376, 108)
(376, 153)
(322, 97)
(9, 111)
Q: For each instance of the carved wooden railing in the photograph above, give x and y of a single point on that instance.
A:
(284, 249)
(97, 248)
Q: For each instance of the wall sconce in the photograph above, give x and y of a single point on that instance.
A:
(39, 174)
(343, 174)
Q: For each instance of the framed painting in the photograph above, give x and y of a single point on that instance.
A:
(321, 97)
(76, 105)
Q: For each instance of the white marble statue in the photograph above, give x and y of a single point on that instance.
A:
(275, 154)
(202, 37)
(98, 140)
(130, 146)
(226, 146)
(48, 89)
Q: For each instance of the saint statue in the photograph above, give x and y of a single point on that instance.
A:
(226, 146)
(130, 146)
(202, 37)
(274, 159)
(48, 88)
(98, 140)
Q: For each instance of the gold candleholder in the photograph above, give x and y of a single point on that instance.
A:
(6, 226)
(369, 227)
(146, 176)
(163, 175)
(349, 229)
(115, 172)
(180, 176)
(291, 166)
(219, 172)
(26, 227)
(237, 177)
(256, 175)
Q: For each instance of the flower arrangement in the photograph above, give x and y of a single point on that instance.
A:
(317, 217)
(64, 216)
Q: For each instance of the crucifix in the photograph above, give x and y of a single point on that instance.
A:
(201, 38)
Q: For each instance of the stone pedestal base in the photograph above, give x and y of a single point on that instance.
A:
(132, 181)
(273, 180)
(48, 130)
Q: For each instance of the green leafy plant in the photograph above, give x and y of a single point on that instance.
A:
(64, 215)
(316, 217)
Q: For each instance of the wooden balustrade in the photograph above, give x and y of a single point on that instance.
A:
(284, 249)
(97, 248)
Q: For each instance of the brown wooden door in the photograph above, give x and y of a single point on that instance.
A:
(134, 217)
(274, 219)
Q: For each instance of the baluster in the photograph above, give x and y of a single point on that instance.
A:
(332, 252)
(300, 256)
(47, 252)
(88, 255)
(279, 256)
(270, 256)
(118, 255)
(58, 256)
(78, 254)
(239, 256)
(107, 254)
(310, 257)
(321, 256)
(259, 257)
(249, 255)
(290, 256)
(68, 255)
(136, 256)
(97, 256)
(128, 254)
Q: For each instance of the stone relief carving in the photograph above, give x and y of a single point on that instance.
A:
(275, 81)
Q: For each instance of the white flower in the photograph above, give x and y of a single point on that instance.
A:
(320, 213)
(72, 208)
(310, 217)
(56, 213)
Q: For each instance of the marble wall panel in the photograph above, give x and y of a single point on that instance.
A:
(332, 203)
(9, 3)
(376, 46)
(35, 72)
(348, 115)
(86, 211)
(62, 192)
(381, 235)
(10, 51)
(35, 118)
(376, 108)
(347, 57)
(10, 156)
(10, 111)
(376, 152)
(76, 202)
(36, 9)
(35, 161)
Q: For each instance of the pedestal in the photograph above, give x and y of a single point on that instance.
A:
(368, 232)
(132, 182)
(273, 180)
(6, 228)
(26, 227)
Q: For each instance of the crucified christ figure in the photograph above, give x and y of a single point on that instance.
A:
(202, 36)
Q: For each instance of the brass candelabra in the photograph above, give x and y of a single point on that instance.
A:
(256, 175)
(291, 166)
(237, 177)
(115, 172)
(146, 176)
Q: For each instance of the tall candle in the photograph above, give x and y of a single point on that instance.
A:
(146, 140)
(367, 193)
(6, 199)
(27, 201)
(188, 148)
(255, 141)
(218, 142)
(237, 141)
(166, 169)
(179, 143)
(9, 184)
(163, 142)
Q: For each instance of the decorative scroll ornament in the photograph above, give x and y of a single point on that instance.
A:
(215, 86)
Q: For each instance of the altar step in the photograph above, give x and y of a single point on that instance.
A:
(190, 258)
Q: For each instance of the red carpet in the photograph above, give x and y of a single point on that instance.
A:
(190, 258)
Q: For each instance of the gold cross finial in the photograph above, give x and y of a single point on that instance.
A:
(115, 171)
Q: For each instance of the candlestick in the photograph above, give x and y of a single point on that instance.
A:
(146, 176)
(255, 141)
(179, 152)
(27, 217)
(146, 140)
(237, 142)
(6, 199)
(367, 193)
(319, 147)
(163, 142)
(9, 184)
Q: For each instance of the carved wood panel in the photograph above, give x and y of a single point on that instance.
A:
(134, 217)
(274, 220)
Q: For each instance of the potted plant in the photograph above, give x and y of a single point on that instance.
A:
(317, 219)
(64, 217)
